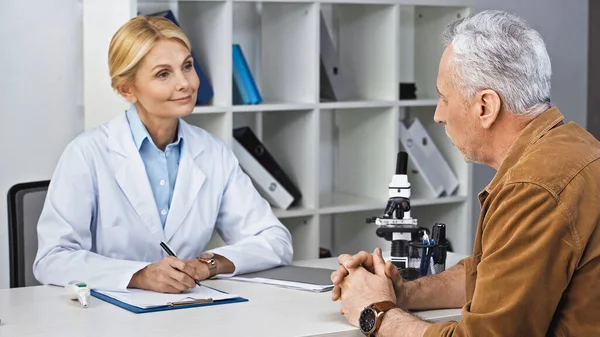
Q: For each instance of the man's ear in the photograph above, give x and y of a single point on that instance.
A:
(488, 105)
(126, 90)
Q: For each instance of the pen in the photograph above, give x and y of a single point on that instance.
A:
(170, 252)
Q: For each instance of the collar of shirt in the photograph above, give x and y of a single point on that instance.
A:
(530, 134)
(140, 133)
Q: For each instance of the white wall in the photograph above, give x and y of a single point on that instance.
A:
(40, 94)
(40, 86)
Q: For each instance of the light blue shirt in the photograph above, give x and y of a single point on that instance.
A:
(161, 166)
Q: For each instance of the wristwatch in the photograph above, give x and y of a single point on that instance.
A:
(371, 317)
(209, 260)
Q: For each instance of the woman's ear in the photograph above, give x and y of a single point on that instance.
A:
(126, 90)
(489, 105)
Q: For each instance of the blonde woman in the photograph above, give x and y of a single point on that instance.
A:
(147, 177)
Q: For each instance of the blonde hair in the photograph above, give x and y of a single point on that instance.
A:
(134, 40)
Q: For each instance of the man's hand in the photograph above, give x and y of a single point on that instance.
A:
(361, 288)
(170, 275)
(365, 260)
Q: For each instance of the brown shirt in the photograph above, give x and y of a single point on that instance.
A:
(535, 269)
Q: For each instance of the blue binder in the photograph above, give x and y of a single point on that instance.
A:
(205, 90)
(241, 88)
(182, 305)
(246, 82)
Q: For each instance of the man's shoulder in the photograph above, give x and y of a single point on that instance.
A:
(554, 160)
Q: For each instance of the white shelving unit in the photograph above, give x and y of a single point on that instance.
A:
(342, 154)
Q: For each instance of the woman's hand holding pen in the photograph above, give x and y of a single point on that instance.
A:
(170, 275)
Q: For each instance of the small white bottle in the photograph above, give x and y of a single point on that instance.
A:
(79, 291)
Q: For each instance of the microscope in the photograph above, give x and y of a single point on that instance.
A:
(396, 224)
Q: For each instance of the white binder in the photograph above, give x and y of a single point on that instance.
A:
(428, 159)
(333, 83)
(264, 182)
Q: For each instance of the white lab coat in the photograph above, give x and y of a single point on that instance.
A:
(100, 223)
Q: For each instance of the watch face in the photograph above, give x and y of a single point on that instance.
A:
(367, 320)
(206, 256)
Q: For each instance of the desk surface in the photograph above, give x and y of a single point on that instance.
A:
(271, 311)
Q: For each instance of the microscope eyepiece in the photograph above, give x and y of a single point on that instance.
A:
(401, 162)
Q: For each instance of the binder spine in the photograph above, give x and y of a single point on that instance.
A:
(239, 79)
(246, 75)
(265, 183)
(252, 144)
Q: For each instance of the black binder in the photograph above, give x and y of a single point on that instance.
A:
(252, 144)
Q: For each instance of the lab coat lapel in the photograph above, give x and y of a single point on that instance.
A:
(189, 181)
(131, 176)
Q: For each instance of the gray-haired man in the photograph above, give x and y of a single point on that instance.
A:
(535, 266)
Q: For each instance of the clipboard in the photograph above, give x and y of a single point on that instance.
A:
(183, 303)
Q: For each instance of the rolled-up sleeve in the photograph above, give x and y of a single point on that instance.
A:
(528, 251)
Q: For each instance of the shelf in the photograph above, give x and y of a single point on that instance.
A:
(442, 3)
(338, 202)
(271, 1)
(289, 137)
(419, 37)
(432, 102)
(293, 212)
(208, 109)
(360, 2)
(356, 155)
(391, 2)
(286, 106)
(275, 39)
(167, 1)
(364, 37)
(356, 104)
(340, 154)
(206, 24)
(272, 107)
(459, 167)
(213, 122)
(333, 203)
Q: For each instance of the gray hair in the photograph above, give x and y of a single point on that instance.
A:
(499, 51)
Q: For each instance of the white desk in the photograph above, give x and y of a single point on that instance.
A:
(271, 311)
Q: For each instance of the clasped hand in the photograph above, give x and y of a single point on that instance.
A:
(363, 279)
(170, 275)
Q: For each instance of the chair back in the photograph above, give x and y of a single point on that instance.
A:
(25, 203)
